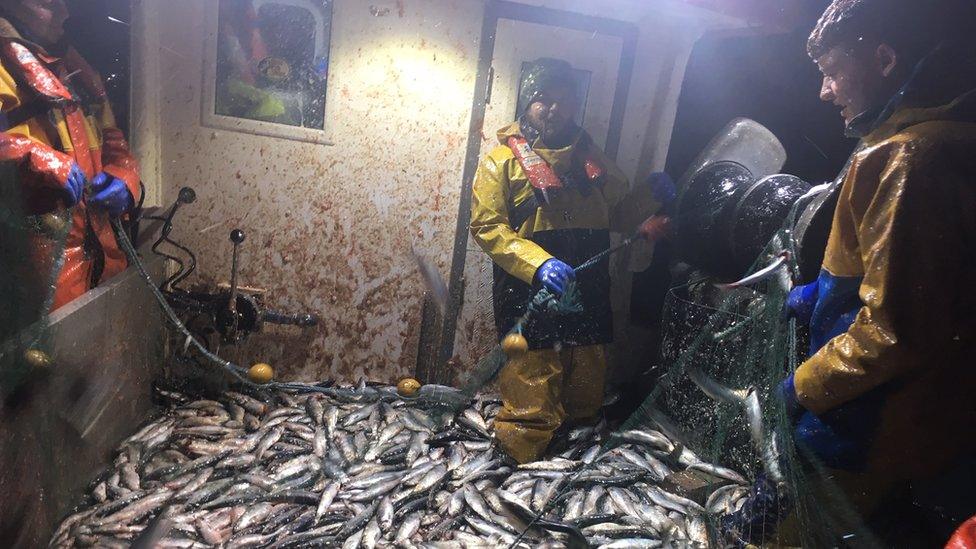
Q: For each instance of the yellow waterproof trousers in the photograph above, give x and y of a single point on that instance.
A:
(540, 390)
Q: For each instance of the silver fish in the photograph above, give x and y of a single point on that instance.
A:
(328, 496)
(409, 527)
(352, 467)
(433, 281)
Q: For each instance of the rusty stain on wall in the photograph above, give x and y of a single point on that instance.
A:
(329, 228)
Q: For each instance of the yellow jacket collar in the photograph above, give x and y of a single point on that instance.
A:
(962, 108)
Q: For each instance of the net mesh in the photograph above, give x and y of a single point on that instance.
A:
(725, 351)
(741, 339)
(30, 250)
(737, 338)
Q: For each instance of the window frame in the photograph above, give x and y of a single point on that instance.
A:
(209, 116)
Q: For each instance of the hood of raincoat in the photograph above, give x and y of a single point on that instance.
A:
(543, 73)
(941, 88)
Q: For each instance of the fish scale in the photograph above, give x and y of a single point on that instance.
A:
(360, 468)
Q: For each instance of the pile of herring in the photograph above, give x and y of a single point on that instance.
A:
(361, 467)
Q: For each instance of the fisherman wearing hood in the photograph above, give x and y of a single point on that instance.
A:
(74, 165)
(545, 200)
(886, 398)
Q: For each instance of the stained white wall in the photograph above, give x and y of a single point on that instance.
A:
(329, 228)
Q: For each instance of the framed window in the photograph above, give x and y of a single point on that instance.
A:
(268, 65)
(582, 79)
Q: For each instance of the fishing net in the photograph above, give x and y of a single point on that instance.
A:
(26, 242)
(726, 349)
(734, 338)
(718, 340)
(26, 293)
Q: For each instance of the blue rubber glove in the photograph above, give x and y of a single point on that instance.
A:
(802, 301)
(555, 276)
(842, 438)
(662, 188)
(786, 393)
(111, 195)
(75, 186)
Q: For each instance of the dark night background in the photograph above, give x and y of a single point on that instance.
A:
(770, 79)
(105, 45)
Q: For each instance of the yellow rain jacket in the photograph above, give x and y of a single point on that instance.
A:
(905, 228)
(574, 226)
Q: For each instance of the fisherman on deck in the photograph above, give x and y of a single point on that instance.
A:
(886, 398)
(545, 200)
(74, 165)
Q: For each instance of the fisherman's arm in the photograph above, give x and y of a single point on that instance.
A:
(912, 238)
(117, 158)
(491, 229)
(51, 168)
(630, 205)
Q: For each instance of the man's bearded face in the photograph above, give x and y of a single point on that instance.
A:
(553, 112)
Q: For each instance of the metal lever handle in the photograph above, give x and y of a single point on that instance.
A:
(236, 237)
(186, 196)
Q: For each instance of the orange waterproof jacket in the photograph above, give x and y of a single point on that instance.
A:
(56, 112)
(905, 226)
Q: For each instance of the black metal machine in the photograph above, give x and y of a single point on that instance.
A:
(231, 312)
(733, 200)
(728, 215)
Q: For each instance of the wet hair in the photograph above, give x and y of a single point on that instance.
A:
(911, 27)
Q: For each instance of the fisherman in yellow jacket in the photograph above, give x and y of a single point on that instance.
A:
(887, 398)
(545, 200)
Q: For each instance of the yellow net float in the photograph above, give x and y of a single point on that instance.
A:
(260, 373)
(54, 224)
(36, 358)
(408, 387)
(515, 345)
